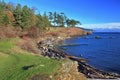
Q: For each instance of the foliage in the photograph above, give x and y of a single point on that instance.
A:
(6, 20)
(24, 17)
(72, 22)
(18, 16)
(50, 17)
(42, 22)
(61, 20)
(33, 32)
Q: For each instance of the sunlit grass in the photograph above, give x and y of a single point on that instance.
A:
(12, 64)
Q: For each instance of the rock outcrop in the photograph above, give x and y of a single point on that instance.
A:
(93, 73)
(48, 50)
(69, 71)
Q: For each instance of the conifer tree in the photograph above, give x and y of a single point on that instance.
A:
(6, 20)
(26, 17)
(18, 16)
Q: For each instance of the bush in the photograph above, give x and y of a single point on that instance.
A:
(29, 45)
(7, 32)
(33, 32)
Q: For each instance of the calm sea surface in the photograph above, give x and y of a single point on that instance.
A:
(103, 53)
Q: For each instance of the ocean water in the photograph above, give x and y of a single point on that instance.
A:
(102, 53)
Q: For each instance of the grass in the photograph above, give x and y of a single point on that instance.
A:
(22, 66)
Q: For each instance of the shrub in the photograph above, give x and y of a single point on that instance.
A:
(7, 32)
(29, 45)
(33, 32)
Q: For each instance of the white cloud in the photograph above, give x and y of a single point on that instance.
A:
(102, 26)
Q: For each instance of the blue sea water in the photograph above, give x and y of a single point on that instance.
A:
(103, 53)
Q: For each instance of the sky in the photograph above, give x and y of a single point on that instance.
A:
(86, 11)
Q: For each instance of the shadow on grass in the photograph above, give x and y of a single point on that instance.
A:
(27, 67)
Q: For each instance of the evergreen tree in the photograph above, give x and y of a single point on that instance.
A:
(18, 16)
(10, 7)
(68, 22)
(33, 16)
(55, 18)
(26, 17)
(62, 19)
(72, 22)
(6, 20)
(1, 15)
(39, 22)
(59, 20)
(50, 17)
(2, 7)
(46, 20)
(42, 22)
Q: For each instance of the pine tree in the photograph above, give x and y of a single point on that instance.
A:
(55, 18)
(72, 22)
(6, 20)
(18, 16)
(62, 19)
(50, 17)
(26, 17)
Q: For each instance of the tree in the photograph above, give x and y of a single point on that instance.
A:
(68, 22)
(26, 17)
(18, 16)
(42, 22)
(59, 20)
(46, 20)
(33, 16)
(10, 7)
(10, 16)
(1, 15)
(2, 5)
(63, 19)
(55, 18)
(6, 20)
(72, 22)
(39, 22)
(50, 17)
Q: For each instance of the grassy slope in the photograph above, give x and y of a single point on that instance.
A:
(12, 63)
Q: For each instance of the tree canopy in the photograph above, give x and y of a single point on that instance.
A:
(25, 17)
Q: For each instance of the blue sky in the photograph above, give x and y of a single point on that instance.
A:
(86, 11)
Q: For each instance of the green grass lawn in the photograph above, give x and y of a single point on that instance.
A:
(22, 66)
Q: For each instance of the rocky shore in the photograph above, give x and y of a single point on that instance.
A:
(48, 49)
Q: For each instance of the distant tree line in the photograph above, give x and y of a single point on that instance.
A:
(25, 17)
